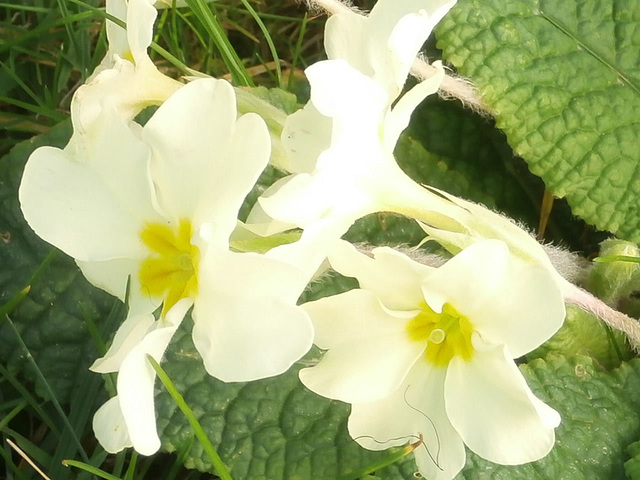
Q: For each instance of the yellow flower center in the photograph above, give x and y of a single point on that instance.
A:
(448, 334)
(129, 56)
(171, 269)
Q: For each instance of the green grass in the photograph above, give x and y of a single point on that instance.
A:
(49, 47)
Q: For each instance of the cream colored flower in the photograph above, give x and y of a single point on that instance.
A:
(157, 205)
(342, 142)
(428, 353)
(381, 47)
(126, 79)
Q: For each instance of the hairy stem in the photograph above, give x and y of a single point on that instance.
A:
(451, 87)
(629, 326)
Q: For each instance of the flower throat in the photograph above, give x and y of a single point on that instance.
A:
(171, 269)
(448, 334)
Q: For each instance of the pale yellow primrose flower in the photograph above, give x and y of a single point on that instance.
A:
(157, 204)
(126, 78)
(382, 47)
(352, 172)
(428, 353)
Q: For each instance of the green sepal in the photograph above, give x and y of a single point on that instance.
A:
(584, 334)
(615, 280)
(632, 466)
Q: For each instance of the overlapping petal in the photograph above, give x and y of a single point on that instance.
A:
(485, 269)
(141, 14)
(400, 291)
(488, 398)
(112, 276)
(130, 334)
(136, 378)
(369, 352)
(110, 428)
(476, 395)
(505, 321)
(189, 135)
(247, 325)
(414, 411)
(96, 204)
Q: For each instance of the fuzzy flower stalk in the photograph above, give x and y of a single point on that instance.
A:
(429, 353)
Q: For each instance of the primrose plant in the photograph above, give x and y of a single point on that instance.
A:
(418, 351)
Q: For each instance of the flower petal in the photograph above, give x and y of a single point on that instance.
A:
(110, 428)
(397, 120)
(130, 334)
(247, 325)
(141, 15)
(116, 35)
(259, 221)
(190, 135)
(470, 280)
(309, 253)
(112, 277)
(392, 276)
(526, 313)
(306, 134)
(345, 38)
(490, 404)
(205, 163)
(410, 33)
(136, 378)
(341, 92)
(414, 410)
(91, 208)
(126, 87)
(306, 200)
(235, 175)
(369, 351)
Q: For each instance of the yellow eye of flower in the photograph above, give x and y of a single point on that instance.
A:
(448, 334)
(129, 56)
(171, 269)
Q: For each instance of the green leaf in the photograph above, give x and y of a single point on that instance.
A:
(455, 150)
(51, 318)
(563, 79)
(632, 466)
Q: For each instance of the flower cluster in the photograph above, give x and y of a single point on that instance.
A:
(419, 352)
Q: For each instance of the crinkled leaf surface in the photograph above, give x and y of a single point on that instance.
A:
(456, 150)
(563, 78)
(453, 149)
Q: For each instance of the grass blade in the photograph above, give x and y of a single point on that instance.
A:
(47, 387)
(208, 447)
(88, 468)
(228, 53)
(267, 36)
